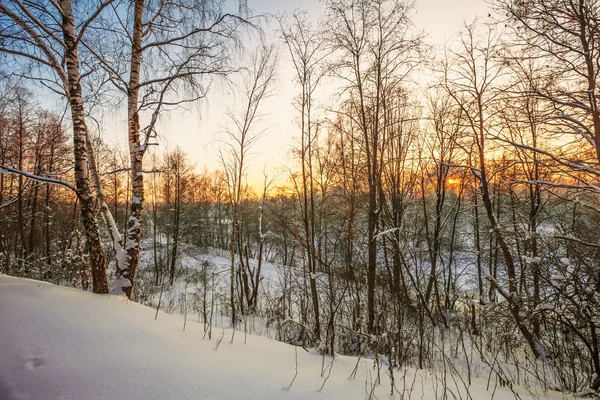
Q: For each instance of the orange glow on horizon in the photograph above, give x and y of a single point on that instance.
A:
(453, 181)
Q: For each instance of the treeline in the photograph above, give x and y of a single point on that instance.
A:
(38, 220)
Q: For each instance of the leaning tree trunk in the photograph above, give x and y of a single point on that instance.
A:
(80, 137)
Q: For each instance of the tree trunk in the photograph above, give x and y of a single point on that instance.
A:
(133, 235)
(80, 137)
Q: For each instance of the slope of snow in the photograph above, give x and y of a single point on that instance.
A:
(62, 343)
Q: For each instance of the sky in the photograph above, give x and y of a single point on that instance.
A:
(200, 131)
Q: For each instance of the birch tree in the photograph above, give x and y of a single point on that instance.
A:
(160, 55)
(48, 38)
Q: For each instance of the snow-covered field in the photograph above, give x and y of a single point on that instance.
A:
(62, 343)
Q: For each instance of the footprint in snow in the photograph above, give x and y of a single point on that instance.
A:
(34, 362)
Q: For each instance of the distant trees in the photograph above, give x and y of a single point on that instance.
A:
(32, 211)
(177, 182)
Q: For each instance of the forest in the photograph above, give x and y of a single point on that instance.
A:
(440, 209)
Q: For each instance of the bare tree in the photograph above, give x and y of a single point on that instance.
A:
(306, 48)
(472, 80)
(258, 81)
(160, 55)
(441, 149)
(563, 36)
(560, 38)
(376, 53)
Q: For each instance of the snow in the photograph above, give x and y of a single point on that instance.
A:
(545, 307)
(532, 260)
(120, 283)
(386, 232)
(63, 343)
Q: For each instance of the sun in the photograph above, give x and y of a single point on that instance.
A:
(453, 181)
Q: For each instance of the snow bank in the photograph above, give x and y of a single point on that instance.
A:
(61, 343)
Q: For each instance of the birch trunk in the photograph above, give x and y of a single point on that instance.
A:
(126, 273)
(134, 224)
(80, 137)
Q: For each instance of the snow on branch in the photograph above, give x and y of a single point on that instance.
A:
(571, 164)
(541, 182)
(9, 202)
(44, 179)
(386, 232)
(576, 240)
(116, 171)
(574, 104)
(16, 198)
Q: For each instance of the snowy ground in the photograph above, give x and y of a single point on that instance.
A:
(62, 343)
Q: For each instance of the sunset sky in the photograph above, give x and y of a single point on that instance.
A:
(200, 130)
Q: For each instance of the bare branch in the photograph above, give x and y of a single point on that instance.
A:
(8, 170)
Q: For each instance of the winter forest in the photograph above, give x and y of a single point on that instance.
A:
(438, 216)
